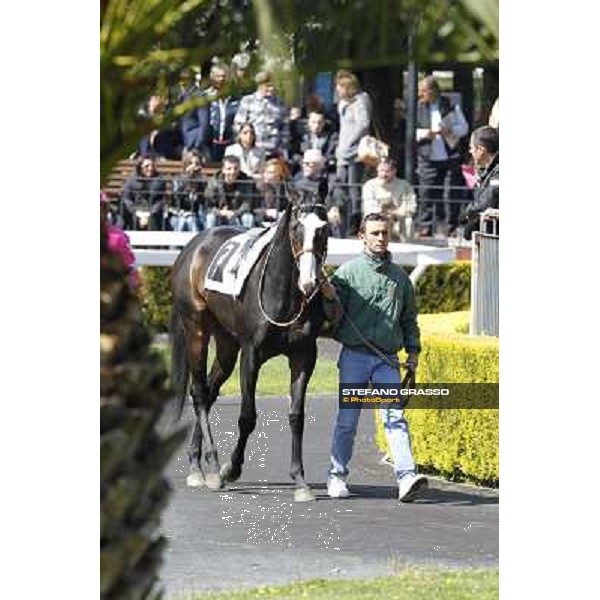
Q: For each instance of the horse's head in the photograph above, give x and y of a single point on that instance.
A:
(308, 236)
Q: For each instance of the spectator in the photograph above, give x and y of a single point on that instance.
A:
(313, 179)
(484, 148)
(440, 126)
(221, 111)
(118, 242)
(251, 158)
(163, 143)
(319, 135)
(230, 196)
(188, 210)
(315, 103)
(195, 123)
(268, 114)
(273, 191)
(355, 109)
(393, 197)
(143, 197)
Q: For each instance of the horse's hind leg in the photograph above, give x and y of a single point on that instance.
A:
(197, 359)
(226, 355)
(302, 364)
(249, 368)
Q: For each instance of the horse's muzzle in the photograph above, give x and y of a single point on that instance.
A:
(308, 273)
(308, 287)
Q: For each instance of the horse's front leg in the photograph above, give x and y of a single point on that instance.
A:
(302, 364)
(249, 368)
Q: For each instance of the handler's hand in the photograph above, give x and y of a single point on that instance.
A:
(329, 291)
(412, 362)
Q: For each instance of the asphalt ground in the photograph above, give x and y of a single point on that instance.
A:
(253, 533)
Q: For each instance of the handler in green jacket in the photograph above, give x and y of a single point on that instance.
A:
(380, 319)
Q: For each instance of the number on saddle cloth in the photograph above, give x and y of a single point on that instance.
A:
(234, 259)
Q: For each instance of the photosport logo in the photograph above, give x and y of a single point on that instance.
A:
(422, 395)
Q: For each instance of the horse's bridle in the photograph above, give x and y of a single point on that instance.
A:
(296, 254)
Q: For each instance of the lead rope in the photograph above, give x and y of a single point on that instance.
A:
(410, 376)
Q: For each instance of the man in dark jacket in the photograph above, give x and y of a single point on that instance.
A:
(319, 135)
(208, 129)
(440, 127)
(230, 196)
(143, 197)
(380, 319)
(484, 148)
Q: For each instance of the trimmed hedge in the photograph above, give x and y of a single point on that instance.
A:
(457, 443)
(155, 296)
(442, 288)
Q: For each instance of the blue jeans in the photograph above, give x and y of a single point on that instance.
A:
(188, 221)
(213, 219)
(360, 367)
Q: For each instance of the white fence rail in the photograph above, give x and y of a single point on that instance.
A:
(161, 248)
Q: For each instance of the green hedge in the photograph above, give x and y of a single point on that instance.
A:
(155, 296)
(457, 443)
(442, 288)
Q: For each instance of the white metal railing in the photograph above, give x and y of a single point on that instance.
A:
(161, 248)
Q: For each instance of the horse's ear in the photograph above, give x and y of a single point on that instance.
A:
(323, 190)
(289, 209)
(287, 213)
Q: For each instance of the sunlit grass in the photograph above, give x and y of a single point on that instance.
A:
(411, 584)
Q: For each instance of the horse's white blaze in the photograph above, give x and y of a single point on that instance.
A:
(308, 264)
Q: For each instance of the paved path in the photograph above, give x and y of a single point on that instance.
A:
(253, 533)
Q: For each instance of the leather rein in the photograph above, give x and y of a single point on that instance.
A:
(296, 254)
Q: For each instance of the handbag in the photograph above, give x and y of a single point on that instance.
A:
(371, 150)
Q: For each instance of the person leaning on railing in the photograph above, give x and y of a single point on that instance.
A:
(230, 196)
(187, 209)
(143, 198)
(273, 197)
(392, 196)
(484, 148)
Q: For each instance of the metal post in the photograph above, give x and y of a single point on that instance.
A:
(411, 107)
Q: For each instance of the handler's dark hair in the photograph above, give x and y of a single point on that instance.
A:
(372, 217)
(488, 137)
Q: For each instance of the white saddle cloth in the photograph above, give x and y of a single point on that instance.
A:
(234, 260)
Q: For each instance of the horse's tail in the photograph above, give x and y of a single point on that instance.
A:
(179, 364)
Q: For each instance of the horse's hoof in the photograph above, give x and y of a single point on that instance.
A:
(229, 474)
(195, 479)
(213, 481)
(303, 495)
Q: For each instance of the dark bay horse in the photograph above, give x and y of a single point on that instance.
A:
(278, 312)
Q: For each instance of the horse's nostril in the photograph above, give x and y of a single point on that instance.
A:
(307, 287)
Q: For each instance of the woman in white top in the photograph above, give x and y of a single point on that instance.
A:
(251, 157)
